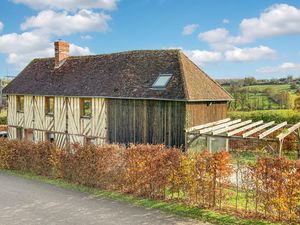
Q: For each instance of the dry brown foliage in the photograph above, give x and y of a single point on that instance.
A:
(269, 188)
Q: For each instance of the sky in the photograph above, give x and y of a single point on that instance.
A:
(227, 39)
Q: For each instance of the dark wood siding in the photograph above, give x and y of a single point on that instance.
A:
(146, 121)
(201, 112)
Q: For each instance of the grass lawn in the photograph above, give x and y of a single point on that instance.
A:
(168, 207)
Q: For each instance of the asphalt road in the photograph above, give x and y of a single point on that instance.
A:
(29, 202)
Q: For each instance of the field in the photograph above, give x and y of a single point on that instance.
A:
(255, 97)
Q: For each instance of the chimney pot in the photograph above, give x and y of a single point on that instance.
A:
(61, 52)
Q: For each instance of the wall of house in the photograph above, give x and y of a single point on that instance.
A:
(66, 122)
(204, 112)
(112, 120)
(146, 121)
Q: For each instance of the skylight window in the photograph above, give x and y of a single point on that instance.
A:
(162, 81)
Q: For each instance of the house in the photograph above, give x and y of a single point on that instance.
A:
(145, 96)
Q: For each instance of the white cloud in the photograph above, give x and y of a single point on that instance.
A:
(77, 50)
(250, 54)
(22, 48)
(22, 43)
(279, 19)
(1, 26)
(287, 67)
(21, 60)
(62, 23)
(225, 21)
(189, 29)
(69, 4)
(201, 57)
(86, 37)
(218, 39)
(214, 36)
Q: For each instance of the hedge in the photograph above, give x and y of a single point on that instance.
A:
(278, 116)
(268, 189)
(3, 120)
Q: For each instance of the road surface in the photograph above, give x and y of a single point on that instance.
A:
(28, 202)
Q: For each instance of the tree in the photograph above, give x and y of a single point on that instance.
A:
(297, 103)
(294, 86)
(286, 100)
(289, 78)
(250, 81)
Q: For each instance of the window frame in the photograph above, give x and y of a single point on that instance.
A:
(162, 87)
(83, 114)
(20, 104)
(47, 105)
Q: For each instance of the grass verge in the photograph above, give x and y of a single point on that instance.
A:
(171, 208)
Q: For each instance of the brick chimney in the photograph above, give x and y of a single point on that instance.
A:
(61, 52)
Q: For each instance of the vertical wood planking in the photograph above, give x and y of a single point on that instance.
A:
(201, 112)
(146, 121)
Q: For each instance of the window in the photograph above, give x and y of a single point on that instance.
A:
(20, 103)
(19, 133)
(49, 105)
(86, 107)
(162, 81)
(29, 134)
(50, 137)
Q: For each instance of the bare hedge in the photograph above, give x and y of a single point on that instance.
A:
(268, 189)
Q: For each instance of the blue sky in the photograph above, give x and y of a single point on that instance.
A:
(227, 39)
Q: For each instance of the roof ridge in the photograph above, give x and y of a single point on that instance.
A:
(115, 53)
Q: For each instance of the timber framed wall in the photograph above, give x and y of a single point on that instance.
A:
(66, 123)
(112, 120)
(146, 121)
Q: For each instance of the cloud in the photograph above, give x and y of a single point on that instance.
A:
(225, 21)
(189, 29)
(201, 57)
(22, 43)
(218, 39)
(22, 59)
(1, 26)
(22, 48)
(76, 50)
(279, 19)
(62, 23)
(86, 37)
(69, 4)
(287, 67)
(250, 54)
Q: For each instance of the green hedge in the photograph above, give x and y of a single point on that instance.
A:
(3, 120)
(278, 116)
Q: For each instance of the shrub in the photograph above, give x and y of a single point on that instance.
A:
(268, 188)
(278, 116)
(3, 120)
